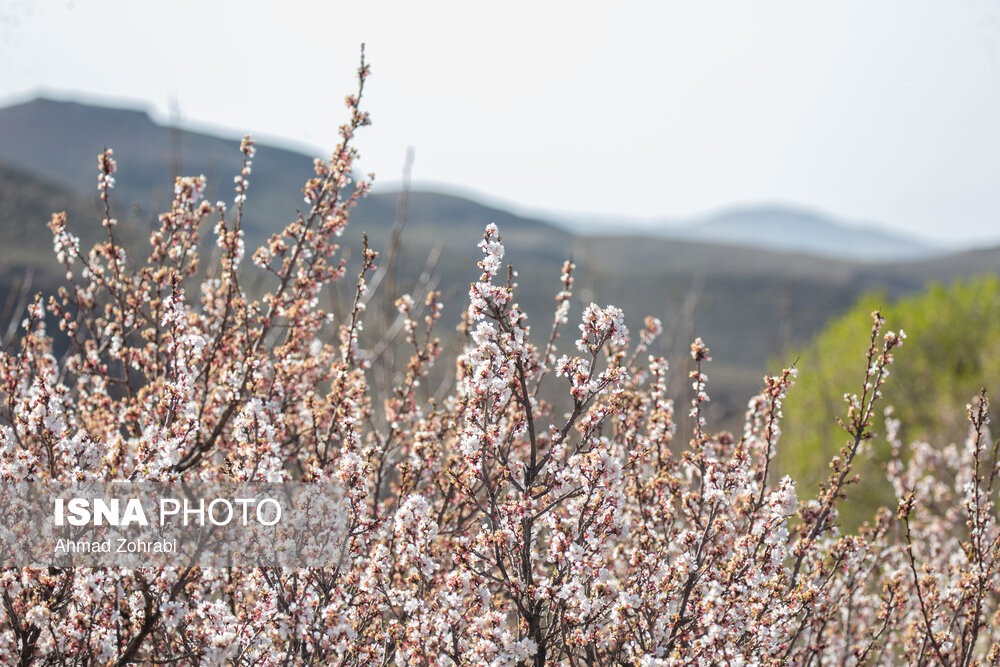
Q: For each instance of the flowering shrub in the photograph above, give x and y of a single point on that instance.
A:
(488, 527)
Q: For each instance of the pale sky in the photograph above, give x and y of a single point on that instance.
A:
(868, 110)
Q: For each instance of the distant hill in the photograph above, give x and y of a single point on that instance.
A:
(750, 304)
(26, 204)
(795, 230)
(60, 141)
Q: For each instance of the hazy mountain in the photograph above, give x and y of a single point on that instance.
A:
(60, 140)
(796, 230)
(748, 303)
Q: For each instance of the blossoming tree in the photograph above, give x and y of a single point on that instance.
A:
(545, 512)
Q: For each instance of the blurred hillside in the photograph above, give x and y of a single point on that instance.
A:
(749, 304)
(794, 230)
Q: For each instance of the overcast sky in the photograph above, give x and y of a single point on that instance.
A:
(884, 111)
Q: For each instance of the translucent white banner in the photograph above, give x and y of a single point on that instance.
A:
(125, 524)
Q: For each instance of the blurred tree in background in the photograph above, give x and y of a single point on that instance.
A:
(953, 349)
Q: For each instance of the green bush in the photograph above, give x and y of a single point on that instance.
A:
(952, 350)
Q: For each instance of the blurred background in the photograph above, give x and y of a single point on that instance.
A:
(759, 174)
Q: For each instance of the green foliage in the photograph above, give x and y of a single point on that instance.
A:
(952, 350)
